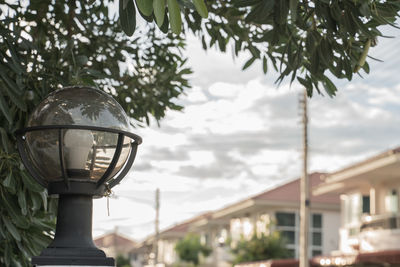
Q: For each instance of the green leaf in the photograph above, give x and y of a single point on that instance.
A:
(248, 63)
(12, 229)
(185, 71)
(363, 56)
(145, 6)
(159, 11)
(201, 8)
(175, 16)
(165, 26)
(14, 211)
(281, 11)
(36, 201)
(4, 139)
(10, 82)
(265, 65)
(245, 3)
(203, 42)
(22, 202)
(221, 43)
(16, 262)
(7, 253)
(31, 184)
(16, 99)
(43, 194)
(14, 57)
(293, 9)
(127, 17)
(364, 9)
(81, 60)
(5, 109)
(366, 67)
(9, 182)
(330, 88)
(260, 12)
(305, 82)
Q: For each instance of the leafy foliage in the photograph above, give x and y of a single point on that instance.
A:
(166, 13)
(189, 248)
(265, 247)
(45, 45)
(305, 40)
(310, 41)
(25, 213)
(122, 261)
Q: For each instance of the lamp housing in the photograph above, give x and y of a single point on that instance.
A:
(78, 144)
(78, 141)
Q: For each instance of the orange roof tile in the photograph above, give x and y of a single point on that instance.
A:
(113, 239)
(291, 192)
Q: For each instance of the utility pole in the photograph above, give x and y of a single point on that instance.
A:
(304, 190)
(157, 226)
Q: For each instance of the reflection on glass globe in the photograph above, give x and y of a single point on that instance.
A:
(80, 106)
(86, 153)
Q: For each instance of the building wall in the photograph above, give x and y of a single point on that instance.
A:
(166, 251)
(287, 221)
(258, 221)
(330, 229)
(372, 203)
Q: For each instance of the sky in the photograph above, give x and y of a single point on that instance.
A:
(240, 134)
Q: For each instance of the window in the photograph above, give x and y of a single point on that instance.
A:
(289, 236)
(287, 223)
(316, 252)
(317, 239)
(316, 221)
(286, 219)
(316, 234)
(365, 204)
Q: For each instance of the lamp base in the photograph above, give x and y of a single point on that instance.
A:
(73, 243)
(71, 261)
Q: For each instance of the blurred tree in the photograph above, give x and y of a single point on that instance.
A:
(262, 247)
(122, 261)
(190, 247)
(45, 45)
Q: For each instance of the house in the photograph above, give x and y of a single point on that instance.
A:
(144, 254)
(274, 209)
(370, 222)
(280, 208)
(114, 244)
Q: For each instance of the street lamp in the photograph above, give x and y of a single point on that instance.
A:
(78, 145)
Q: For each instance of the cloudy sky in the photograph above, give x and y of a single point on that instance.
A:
(239, 135)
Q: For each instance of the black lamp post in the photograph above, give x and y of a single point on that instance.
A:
(78, 144)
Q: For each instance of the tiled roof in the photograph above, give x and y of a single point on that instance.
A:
(291, 192)
(113, 240)
(183, 227)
